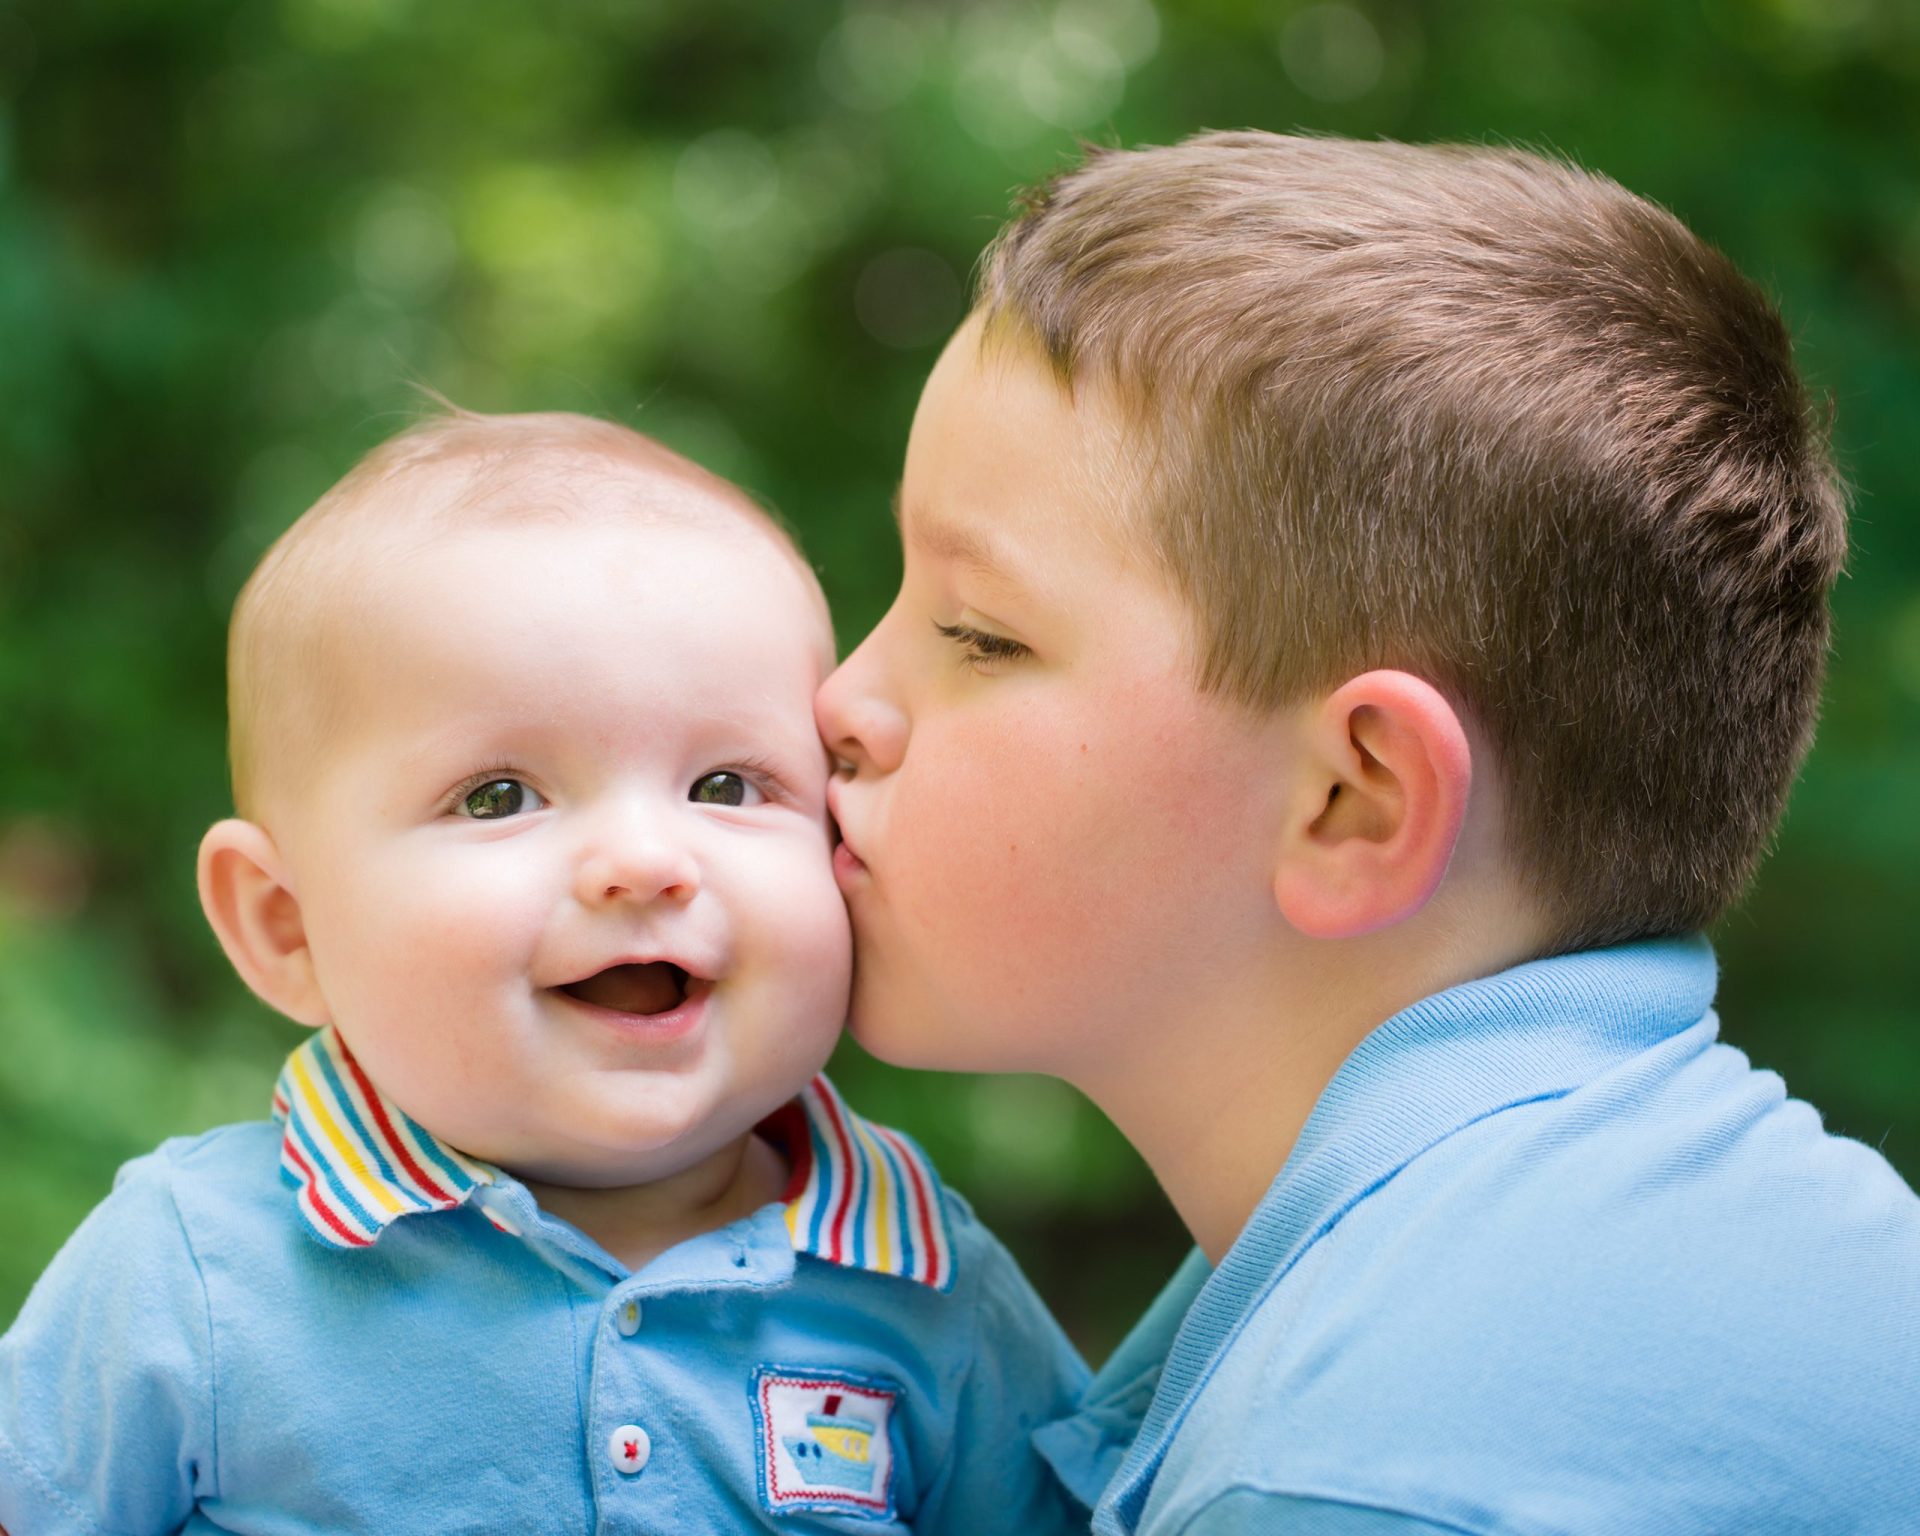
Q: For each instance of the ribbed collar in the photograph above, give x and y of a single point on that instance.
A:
(861, 1195)
(1534, 1032)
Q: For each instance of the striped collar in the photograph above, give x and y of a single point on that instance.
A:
(861, 1195)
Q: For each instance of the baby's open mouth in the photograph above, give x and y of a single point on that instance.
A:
(656, 987)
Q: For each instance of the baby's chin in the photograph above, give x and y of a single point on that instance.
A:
(647, 1154)
(624, 1145)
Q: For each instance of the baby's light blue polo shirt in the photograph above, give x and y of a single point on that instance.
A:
(337, 1323)
(1546, 1258)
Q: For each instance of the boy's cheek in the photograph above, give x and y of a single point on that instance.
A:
(1049, 800)
(1020, 890)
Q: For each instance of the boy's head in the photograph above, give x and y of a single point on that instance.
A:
(534, 807)
(1332, 410)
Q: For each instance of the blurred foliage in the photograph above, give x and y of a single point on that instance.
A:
(232, 236)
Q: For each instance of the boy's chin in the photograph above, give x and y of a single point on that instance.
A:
(878, 1033)
(901, 1037)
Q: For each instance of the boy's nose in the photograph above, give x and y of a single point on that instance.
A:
(636, 866)
(858, 723)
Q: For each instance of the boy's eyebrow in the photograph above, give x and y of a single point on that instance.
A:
(948, 541)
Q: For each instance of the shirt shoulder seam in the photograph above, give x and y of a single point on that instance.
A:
(206, 1313)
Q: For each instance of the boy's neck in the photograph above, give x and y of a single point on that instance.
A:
(1259, 1056)
(637, 1223)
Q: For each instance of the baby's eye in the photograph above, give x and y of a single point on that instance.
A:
(723, 788)
(500, 798)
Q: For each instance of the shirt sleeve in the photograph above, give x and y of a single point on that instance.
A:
(106, 1390)
(1023, 1374)
(1256, 1512)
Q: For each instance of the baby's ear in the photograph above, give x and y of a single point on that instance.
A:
(256, 917)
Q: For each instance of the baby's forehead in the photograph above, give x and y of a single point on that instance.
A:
(561, 510)
(592, 522)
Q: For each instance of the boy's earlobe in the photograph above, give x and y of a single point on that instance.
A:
(257, 919)
(1386, 771)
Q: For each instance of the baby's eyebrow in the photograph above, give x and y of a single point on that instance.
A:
(950, 541)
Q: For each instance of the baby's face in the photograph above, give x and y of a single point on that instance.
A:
(566, 872)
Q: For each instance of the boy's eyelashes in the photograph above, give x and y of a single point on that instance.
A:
(979, 648)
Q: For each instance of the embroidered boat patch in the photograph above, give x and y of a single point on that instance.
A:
(825, 1442)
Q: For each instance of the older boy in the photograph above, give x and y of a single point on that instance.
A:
(1363, 608)
(555, 1228)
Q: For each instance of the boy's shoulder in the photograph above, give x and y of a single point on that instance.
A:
(1670, 1285)
(1549, 1256)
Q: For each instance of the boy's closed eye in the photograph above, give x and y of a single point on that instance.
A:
(979, 647)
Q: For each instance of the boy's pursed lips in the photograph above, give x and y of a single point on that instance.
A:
(846, 858)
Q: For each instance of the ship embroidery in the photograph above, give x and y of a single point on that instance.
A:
(839, 1450)
(825, 1442)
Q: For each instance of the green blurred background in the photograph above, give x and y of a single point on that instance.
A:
(232, 233)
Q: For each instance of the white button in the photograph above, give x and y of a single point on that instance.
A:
(629, 1448)
(627, 1319)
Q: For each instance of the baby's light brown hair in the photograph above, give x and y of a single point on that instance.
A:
(452, 471)
(1488, 418)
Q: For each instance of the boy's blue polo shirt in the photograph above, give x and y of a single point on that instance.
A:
(1546, 1258)
(406, 1342)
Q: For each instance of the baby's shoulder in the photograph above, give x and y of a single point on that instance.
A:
(245, 1155)
(987, 1280)
(224, 1179)
(175, 1220)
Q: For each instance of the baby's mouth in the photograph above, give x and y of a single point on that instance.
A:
(655, 987)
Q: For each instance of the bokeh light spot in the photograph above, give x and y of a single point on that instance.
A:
(990, 105)
(1071, 79)
(725, 180)
(1332, 52)
(403, 243)
(872, 60)
(1129, 28)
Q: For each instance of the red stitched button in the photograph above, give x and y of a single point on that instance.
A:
(629, 1447)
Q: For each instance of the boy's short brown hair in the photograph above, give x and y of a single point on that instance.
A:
(1489, 418)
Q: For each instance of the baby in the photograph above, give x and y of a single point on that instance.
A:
(556, 1226)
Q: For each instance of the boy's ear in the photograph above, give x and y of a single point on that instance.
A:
(1385, 774)
(256, 917)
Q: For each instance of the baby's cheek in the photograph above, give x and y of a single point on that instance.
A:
(430, 936)
(807, 931)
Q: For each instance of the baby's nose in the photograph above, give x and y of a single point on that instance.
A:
(636, 865)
